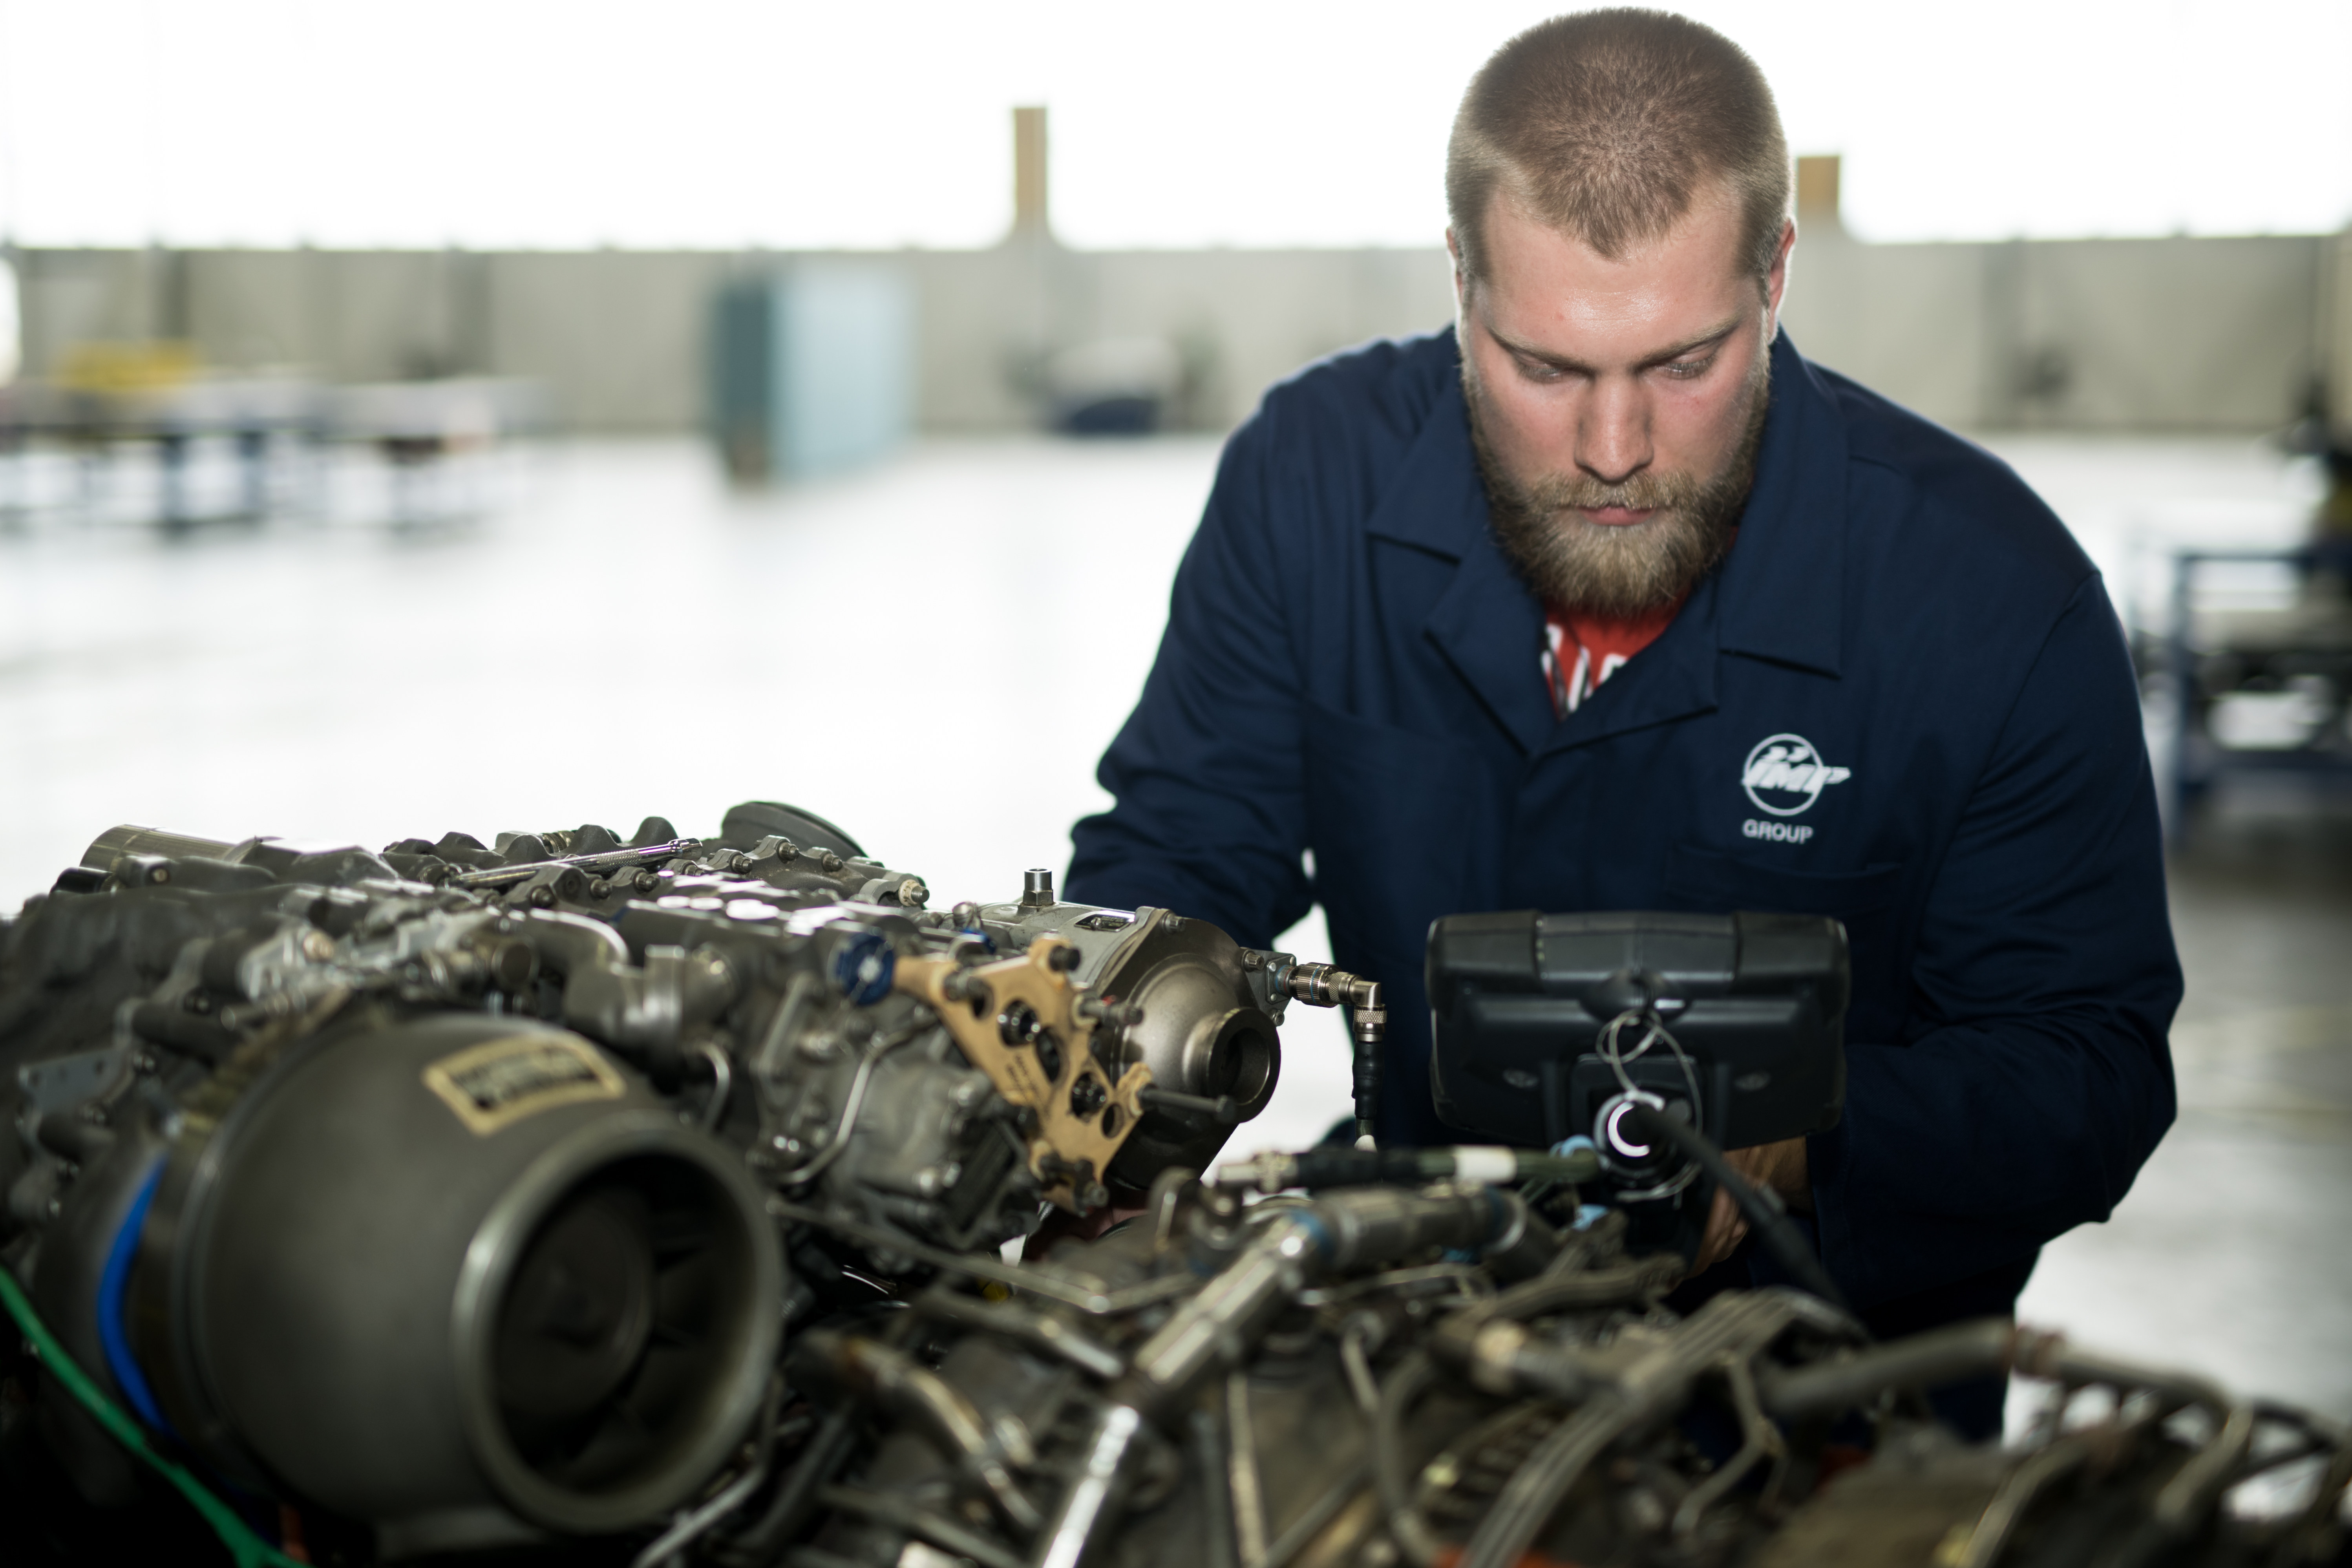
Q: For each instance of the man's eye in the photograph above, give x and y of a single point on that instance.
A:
(1536, 370)
(1687, 369)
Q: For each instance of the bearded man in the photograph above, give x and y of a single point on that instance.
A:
(1607, 599)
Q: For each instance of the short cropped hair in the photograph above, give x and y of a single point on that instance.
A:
(1605, 125)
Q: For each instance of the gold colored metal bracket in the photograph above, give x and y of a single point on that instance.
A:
(1067, 1152)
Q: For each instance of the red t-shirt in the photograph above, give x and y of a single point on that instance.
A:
(1580, 651)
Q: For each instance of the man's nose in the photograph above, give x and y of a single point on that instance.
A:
(1612, 439)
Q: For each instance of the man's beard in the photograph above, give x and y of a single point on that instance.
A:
(1617, 571)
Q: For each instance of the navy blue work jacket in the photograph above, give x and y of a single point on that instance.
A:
(1903, 700)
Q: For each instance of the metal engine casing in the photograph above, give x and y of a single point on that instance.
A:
(1211, 1017)
(338, 1293)
(240, 1197)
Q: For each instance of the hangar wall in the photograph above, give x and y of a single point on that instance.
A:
(2149, 334)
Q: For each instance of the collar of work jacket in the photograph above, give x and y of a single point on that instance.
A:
(1777, 596)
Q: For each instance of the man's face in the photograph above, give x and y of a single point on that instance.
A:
(1617, 404)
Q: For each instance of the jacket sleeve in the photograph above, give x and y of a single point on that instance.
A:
(2044, 973)
(1208, 808)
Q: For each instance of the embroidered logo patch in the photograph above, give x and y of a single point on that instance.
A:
(1784, 775)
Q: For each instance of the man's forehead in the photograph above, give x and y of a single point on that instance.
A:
(1543, 283)
(1706, 238)
(1713, 211)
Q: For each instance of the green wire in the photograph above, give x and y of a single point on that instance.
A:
(248, 1548)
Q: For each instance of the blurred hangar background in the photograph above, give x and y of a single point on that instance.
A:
(504, 414)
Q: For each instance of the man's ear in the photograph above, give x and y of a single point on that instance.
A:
(1453, 252)
(1776, 278)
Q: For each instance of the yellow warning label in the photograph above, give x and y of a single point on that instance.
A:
(497, 1083)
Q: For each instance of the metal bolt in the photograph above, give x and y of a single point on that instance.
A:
(912, 894)
(318, 946)
(831, 861)
(646, 881)
(1061, 958)
(541, 897)
(602, 888)
(1252, 959)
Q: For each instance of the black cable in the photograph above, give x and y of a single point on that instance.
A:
(796, 1498)
(692, 1526)
(1535, 1489)
(1416, 1541)
(1770, 1223)
(1548, 1293)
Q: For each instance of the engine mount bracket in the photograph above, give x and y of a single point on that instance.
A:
(1017, 1020)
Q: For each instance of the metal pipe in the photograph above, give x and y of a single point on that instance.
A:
(692, 1524)
(1246, 1488)
(1970, 1350)
(1218, 1326)
(1209, 1462)
(1921, 1362)
(788, 1510)
(1035, 1330)
(605, 861)
(914, 1392)
(1330, 1165)
(900, 1514)
(1090, 1502)
(1325, 985)
(1301, 1531)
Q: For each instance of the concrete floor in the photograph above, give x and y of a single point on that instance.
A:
(934, 654)
(2229, 1253)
